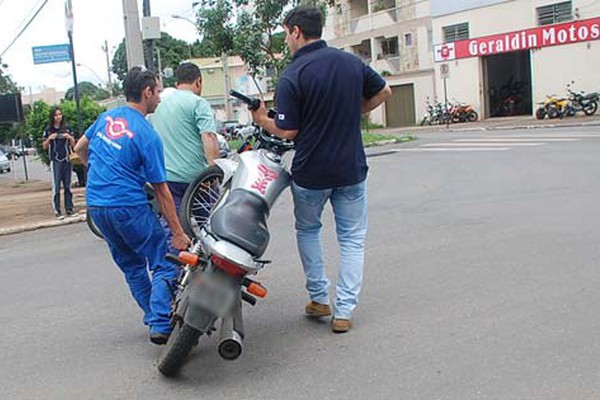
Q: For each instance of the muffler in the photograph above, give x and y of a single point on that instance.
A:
(230, 341)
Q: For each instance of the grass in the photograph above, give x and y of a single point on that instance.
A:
(369, 139)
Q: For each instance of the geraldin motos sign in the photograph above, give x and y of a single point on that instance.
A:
(544, 36)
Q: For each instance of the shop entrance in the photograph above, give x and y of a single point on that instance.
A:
(507, 80)
(400, 109)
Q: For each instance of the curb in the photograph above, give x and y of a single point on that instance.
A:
(43, 224)
(443, 129)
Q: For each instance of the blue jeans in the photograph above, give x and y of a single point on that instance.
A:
(177, 190)
(349, 205)
(137, 244)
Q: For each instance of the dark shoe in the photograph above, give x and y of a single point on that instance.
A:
(339, 325)
(159, 338)
(315, 309)
(59, 216)
(72, 213)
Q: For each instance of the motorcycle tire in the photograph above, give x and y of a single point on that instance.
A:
(553, 113)
(591, 108)
(92, 225)
(472, 116)
(199, 200)
(180, 343)
(540, 113)
(424, 121)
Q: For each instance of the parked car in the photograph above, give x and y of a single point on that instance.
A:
(228, 128)
(4, 163)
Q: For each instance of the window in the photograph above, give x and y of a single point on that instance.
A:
(452, 33)
(389, 47)
(408, 39)
(379, 5)
(555, 13)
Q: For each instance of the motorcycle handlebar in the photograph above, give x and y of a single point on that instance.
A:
(253, 104)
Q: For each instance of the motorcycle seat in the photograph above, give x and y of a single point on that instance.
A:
(242, 220)
(590, 96)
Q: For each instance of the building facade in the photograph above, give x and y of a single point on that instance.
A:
(504, 56)
(393, 37)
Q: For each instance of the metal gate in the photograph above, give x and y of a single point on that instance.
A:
(400, 109)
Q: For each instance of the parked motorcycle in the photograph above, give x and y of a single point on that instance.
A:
(553, 107)
(226, 211)
(462, 112)
(579, 101)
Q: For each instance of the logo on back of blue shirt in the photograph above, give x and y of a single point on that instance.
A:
(116, 128)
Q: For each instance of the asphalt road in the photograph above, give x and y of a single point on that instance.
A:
(481, 282)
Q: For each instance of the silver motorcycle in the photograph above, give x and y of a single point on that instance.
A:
(225, 210)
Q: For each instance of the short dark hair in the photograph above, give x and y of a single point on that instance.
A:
(136, 81)
(308, 19)
(187, 72)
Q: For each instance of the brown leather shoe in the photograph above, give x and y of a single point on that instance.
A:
(340, 325)
(315, 309)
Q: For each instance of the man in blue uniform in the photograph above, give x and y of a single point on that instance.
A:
(123, 152)
(320, 99)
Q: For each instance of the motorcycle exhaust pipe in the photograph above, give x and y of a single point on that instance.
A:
(230, 341)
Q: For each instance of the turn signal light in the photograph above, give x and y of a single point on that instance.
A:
(189, 258)
(257, 289)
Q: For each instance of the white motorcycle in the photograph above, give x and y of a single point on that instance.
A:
(225, 210)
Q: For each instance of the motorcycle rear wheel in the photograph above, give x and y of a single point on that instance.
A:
(180, 343)
(472, 116)
(199, 200)
(540, 113)
(591, 108)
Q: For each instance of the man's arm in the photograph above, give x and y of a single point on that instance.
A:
(180, 240)
(261, 118)
(211, 147)
(81, 148)
(381, 96)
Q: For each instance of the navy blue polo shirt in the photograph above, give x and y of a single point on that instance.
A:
(320, 94)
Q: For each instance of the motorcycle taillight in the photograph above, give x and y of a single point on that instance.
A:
(227, 266)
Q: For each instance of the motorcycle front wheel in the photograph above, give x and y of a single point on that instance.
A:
(472, 116)
(199, 200)
(180, 343)
(540, 113)
(92, 225)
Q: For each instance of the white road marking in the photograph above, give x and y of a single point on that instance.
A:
(519, 140)
(421, 149)
(480, 144)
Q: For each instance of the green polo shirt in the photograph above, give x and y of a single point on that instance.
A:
(180, 119)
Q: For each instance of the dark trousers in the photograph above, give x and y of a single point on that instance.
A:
(177, 191)
(61, 173)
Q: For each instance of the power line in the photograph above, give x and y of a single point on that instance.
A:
(24, 28)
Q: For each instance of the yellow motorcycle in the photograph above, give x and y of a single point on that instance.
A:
(553, 107)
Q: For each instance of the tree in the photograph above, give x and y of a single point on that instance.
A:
(7, 86)
(172, 52)
(88, 89)
(37, 120)
(256, 35)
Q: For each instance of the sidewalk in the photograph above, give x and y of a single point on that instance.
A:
(27, 206)
(496, 124)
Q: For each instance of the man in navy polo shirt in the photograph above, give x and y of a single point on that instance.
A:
(320, 99)
(124, 152)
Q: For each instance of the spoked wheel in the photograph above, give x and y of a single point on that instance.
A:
(92, 225)
(591, 108)
(180, 343)
(200, 199)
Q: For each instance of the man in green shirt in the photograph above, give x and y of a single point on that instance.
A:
(186, 124)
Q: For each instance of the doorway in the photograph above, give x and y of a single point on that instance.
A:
(507, 80)
(400, 109)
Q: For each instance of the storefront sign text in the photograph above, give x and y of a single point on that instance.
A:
(545, 36)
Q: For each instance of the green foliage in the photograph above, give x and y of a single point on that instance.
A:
(38, 118)
(6, 83)
(172, 53)
(87, 89)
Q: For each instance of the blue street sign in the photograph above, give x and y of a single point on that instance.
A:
(51, 54)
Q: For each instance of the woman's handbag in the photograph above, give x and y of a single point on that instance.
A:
(74, 158)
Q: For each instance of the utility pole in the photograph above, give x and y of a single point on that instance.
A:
(105, 49)
(69, 26)
(225, 63)
(148, 42)
(133, 35)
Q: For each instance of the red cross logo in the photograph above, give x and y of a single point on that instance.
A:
(116, 128)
